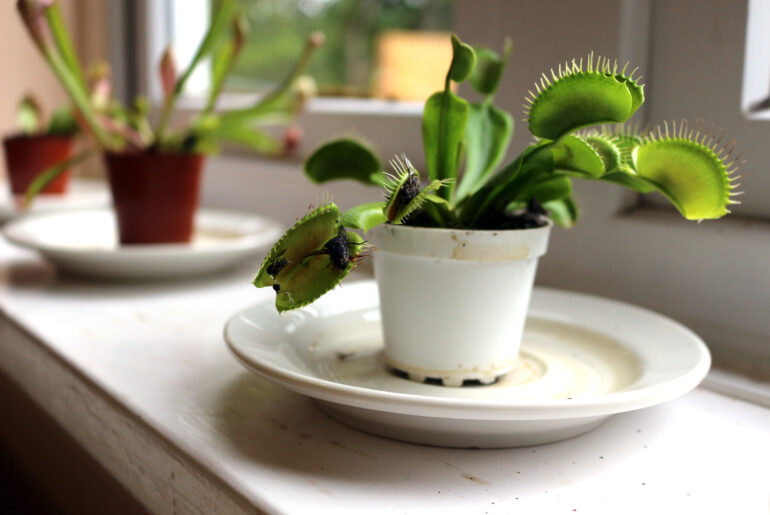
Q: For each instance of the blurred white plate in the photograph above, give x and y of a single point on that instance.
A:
(583, 359)
(85, 242)
(83, 194)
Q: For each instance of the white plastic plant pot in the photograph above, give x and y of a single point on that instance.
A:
(453, 302)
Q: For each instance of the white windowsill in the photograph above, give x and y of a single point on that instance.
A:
(318, 105)
(140, 377)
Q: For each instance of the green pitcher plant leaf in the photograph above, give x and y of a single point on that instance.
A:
(119, 128)
(63, 42)
(276, 101)
(29, 115)
(47, 176)
(224, 57)
(257, 140)
(221, 18)
(344, 159)
(574, 98)
(310, 259)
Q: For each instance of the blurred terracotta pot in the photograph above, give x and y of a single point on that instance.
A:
(155, 195)
(27, 156)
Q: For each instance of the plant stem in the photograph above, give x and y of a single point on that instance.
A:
(77, 94)
(242, 115)
(216, 28)
(447, 192)
(313, 42)
(47, 176)
(63, 42)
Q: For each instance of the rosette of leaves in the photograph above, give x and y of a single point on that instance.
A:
(31, 120)
(578, 115)
(115, 127)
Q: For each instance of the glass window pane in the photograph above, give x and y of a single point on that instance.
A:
(374, 48)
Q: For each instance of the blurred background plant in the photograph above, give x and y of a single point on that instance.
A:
(31, 119)
(363, 39)
(116, 127)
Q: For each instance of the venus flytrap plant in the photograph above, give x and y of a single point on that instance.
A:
(578, 114)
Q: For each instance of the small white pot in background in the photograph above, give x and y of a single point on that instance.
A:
(454, 302)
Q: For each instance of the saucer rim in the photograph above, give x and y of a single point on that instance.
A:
(412, 404)
(245, 240)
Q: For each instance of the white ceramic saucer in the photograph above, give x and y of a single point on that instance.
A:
(85, 242)
(583, 359)
(83, 194)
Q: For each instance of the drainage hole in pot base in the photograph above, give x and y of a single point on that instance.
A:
(437, 381)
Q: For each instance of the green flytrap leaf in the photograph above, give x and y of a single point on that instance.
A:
(489, 130)
(365, 216)
(574, 98)
(444, 118)
(608, 152)
(489, 70)
(304, 263)
(443, 126)
(552, 187)
(219, 25)
(573, 154)
(563, 212)
(688, 168)
(614, 148)
(488, 133)
(629, 179)
(224, 58)
(463, 60)
(344, 159)
(405, 193)
(277, 102)
(507, 184)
